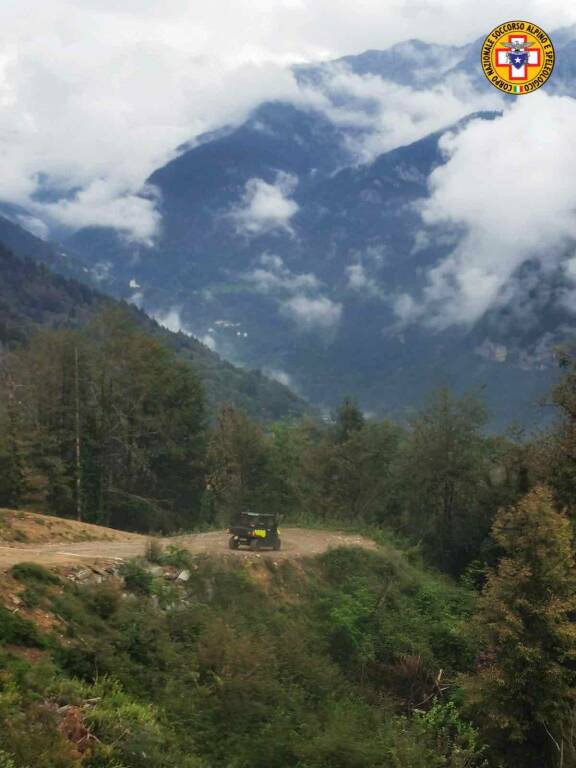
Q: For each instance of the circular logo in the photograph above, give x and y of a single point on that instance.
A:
(517, 57)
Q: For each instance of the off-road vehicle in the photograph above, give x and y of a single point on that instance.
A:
(255, 530)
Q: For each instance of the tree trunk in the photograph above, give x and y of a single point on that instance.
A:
(78, 444)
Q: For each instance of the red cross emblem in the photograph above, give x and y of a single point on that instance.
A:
(532, 58)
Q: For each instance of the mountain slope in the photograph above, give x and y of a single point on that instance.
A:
(32, 296)
(355, 239)
(233, 645)
(285, 252)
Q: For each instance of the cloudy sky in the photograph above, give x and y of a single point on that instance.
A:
(96, 94)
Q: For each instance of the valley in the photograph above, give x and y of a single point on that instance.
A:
(287, 385)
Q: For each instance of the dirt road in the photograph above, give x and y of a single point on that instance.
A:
(296, 542)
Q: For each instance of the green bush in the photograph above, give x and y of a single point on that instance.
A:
(104, 600)
(137, 579)
(177, 557)
(31, 597)
(15, 630)
(154, 551)
(6, 761)
(315, 660)
(33, 572)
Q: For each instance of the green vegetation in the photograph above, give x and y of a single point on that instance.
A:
(107, 425)
(33, 297)
(17, 631)
(525, 694)
(33, 573)
(438, 482)
(334, 662)
(352, 659)
(454, 649)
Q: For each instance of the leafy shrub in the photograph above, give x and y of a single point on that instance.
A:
(310, 659)
(134, 728)
(136, 578)
(32, 734)
(102, 757)
(104, 600)
(17, 631)
(31, 597)
(338, 564)
(154, 551)
(6, 761)
(80, 662)
(179, 558)
(33, 572)
(454, 736)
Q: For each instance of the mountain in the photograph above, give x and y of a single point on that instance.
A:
(19, 240)
(32, 296)
(287, 242)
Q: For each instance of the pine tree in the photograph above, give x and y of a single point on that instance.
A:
(349, 419)
(556, 455)
(443, 470)
(238, 461)
(114, 426)
(13, 485)
(524, 691)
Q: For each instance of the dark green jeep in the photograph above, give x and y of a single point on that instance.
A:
(256, 530)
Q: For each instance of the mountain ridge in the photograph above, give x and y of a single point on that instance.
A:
(32, 296)
(286, 251)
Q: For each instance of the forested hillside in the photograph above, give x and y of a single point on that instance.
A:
(311, 664)
(352, 659)
(108, 423)
(32, 296)
(455, 651)
(287, 384)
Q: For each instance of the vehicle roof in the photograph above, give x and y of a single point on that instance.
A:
(257, 514)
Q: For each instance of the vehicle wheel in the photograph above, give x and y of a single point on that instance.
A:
(233, 543)
(277, 545)
(254, 545)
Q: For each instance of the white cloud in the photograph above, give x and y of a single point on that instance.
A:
(137, 298)
(100, 272)
(101, 204)
(391, 115)
(319, 313)
(493, 351)
(38, 227)
(101, 92)
(360, 281)
(209, 341)
(266, 207)
(509, 187)
(280, 376)
(272, 276)
(171, 319)
(298, 296)
(406, 309)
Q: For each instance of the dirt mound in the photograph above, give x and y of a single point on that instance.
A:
(19, 527)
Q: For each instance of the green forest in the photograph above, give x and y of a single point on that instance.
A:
(452, 644)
